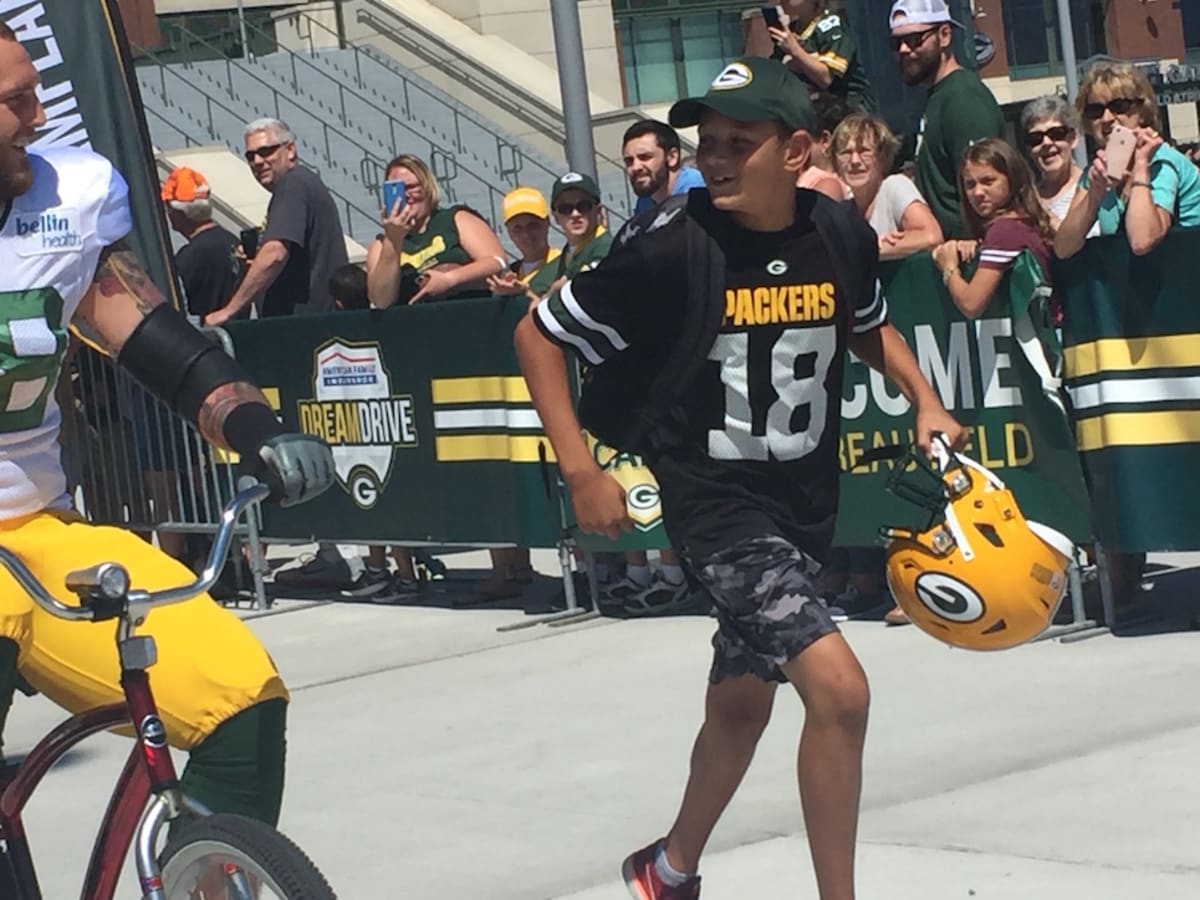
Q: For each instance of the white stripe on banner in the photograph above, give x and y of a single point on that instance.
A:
(451, 419)
(582, 317)
(552, 325)
(1135, 390)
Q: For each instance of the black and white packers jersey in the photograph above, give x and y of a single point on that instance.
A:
(760, 423)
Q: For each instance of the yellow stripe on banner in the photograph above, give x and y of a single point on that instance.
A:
(1126, 354)
(481, 389)
(475, 447)
(1138, 429)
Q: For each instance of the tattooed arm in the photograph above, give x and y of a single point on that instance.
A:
(120, 298)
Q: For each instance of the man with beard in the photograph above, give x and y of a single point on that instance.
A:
(959, 110)
(64, 214)
(651, 153)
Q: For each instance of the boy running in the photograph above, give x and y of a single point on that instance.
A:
(746, 458)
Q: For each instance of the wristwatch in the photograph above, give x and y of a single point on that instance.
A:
(949, 273)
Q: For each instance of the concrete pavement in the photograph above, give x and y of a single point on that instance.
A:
(431, 756)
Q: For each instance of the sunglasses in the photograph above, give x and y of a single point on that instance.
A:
(262, 152)
(584, 207)
(1119, 106)
(912, 41)
(1057, 133)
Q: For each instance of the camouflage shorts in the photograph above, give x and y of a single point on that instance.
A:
(767, 604)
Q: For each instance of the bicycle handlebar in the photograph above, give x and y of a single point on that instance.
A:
(108, 583)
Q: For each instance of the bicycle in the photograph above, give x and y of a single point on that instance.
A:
(212, 855)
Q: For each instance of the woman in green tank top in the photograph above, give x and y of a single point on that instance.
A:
(428, 253)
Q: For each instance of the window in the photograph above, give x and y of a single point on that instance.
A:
(668, 57)
(213, 35)
(1031, 32)
(1190, 10)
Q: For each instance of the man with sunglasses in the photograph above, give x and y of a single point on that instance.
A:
(301, 244)
(959, 109)
(578, 212)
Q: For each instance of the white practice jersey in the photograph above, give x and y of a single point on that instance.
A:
(50, 243)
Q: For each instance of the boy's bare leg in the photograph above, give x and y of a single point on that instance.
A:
(736, 712)
(833, 686)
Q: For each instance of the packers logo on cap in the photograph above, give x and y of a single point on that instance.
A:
(571, 178)
(733, 76)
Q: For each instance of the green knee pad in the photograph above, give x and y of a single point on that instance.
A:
(239, 767)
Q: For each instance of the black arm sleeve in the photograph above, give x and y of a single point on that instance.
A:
(181, 367)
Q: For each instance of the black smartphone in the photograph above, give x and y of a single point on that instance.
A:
(771, 16)
(249, 238)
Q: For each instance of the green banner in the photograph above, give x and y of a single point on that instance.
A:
(91, 100)
(1132, 361)
(994, 374)
(434, 435)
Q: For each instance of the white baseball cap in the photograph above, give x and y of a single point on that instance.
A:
(920, 12)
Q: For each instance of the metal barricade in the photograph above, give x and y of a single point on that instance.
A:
(133, 463)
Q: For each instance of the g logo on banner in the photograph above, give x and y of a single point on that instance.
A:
(949, 598)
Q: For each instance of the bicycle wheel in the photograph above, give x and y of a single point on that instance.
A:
(228, 857)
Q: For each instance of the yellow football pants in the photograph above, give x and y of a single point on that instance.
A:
(210, 665)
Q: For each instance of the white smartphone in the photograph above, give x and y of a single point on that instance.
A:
(1119, 151)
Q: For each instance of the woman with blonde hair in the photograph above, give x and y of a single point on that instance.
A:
(1157, 188)
(427, 252)
(1004, 216)
(864, 149)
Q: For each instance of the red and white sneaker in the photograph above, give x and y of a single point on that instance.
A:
(644, 882)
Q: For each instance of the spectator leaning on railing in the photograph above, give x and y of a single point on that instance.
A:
(575, 201)
(1158, 188)
(527, 221)
(1050, 132)
(427, 252)
(301, 243)
(863, 151)
(1004, 217)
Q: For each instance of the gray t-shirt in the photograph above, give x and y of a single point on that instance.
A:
(895, 194)
(303, 215)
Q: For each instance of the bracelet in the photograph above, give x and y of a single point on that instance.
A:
(949, 273)
(1144, 184)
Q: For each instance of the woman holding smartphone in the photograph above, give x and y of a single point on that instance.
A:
(1136, 183)
(427, 252)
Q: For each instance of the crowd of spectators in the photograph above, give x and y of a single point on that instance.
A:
(965, 195)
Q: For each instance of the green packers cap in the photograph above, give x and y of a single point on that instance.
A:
(575, 181)
(751, 90)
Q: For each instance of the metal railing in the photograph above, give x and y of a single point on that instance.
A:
(134, 463)
(436, 50)
(278, 101)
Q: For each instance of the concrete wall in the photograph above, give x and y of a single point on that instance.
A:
(527, 25)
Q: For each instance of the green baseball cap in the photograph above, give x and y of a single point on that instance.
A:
(578, 181)
(752, 89)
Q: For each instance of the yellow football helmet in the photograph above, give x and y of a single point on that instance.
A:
(978, 575)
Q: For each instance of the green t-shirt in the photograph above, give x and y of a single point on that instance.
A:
(959, 111)
(569, 264)
(828, 37)
(437, 245)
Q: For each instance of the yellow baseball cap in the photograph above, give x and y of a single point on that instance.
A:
(525, 200)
